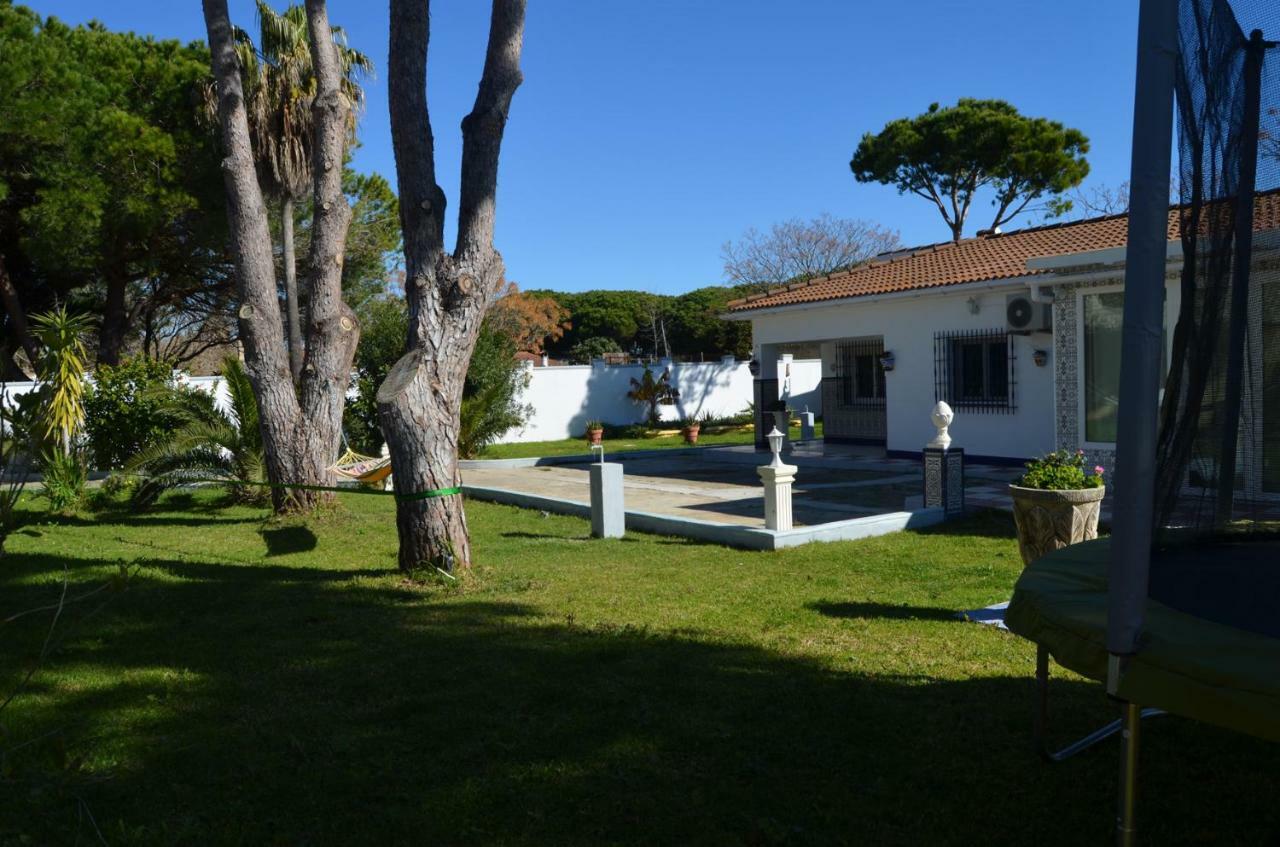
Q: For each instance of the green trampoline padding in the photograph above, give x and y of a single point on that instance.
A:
(1187, 665)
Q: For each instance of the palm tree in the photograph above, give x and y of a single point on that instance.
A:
(208, 442)
(279, 88)
(651, 392)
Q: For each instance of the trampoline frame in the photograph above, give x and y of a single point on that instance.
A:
(1041, 723)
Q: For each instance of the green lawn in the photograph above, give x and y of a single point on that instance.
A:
(652, 441)
(280, 683)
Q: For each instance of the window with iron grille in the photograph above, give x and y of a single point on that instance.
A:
(974, 370)
(859, 373)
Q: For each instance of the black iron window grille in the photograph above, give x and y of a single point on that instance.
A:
(859, 374)
(974, 370)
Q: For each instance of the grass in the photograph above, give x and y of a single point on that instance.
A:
(279, 682)
(629, 440)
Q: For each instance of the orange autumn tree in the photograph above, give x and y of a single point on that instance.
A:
(531, 321)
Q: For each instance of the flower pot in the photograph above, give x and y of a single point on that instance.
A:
(595, 436)
(691, 434)
(1049, 520)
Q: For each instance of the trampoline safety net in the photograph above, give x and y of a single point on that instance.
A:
(1218, 451)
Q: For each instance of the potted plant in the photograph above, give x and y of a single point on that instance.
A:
(690, 427)
(595, 431)
(1056, 503)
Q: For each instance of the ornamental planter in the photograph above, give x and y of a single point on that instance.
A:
(595, 436)
(1049, 520)
(691, 434)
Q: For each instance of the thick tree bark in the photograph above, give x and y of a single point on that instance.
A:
(292, 315)
(115, 318)
(420, 401)
(300, 428)
(17, 316)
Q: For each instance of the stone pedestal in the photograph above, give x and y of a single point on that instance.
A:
(944, 479)
(608, 511)
(806, 425)
(777, 481)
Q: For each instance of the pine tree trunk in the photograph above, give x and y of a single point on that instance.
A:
(292, 316)
(420, 401)
(114, 319)
(17, 316)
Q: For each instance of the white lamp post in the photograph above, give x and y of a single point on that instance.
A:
(777, 479)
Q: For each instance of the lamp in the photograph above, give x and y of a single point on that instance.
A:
(1040, 357)
(886, 360)
(775, 444)
(754, 367)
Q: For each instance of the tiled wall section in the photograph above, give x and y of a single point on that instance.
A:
(1066, 359)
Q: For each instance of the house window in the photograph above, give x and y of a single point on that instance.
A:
(1102, 319)
(1271, 388)
(974, 370)
(860, 375)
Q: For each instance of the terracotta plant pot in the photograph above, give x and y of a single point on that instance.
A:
(691, 434)
(595, 436)
(1049, 520)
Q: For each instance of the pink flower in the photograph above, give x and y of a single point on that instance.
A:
(1099, 470)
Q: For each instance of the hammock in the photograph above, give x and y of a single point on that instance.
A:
(366, 470)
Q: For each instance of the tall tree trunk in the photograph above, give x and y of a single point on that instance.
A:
(115, 318)
(420, 401)
(300, 428)
(292, 315)
(17, 316)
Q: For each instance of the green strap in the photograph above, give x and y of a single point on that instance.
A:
(400, 498)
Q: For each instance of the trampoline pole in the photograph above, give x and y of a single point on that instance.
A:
(1126, 819)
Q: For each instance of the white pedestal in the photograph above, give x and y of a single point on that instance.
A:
(608, 511)
(777, 481)
(806, 426)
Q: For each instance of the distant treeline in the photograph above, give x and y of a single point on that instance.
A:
(684, 326)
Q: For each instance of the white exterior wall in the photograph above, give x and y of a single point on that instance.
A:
(908, 324)
(564, 398)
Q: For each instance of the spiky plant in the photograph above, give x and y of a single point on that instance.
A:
(62, 370)
(209, 443)
(650, 392)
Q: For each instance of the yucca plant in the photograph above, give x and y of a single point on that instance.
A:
(652, 392)
(62, 371)
(207, 444)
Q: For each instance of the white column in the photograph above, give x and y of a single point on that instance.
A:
(608, 511)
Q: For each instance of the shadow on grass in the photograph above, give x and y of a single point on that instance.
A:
(247, 705)
(870, 611)
(283, 540)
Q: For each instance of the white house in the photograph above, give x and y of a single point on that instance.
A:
(1018, 331)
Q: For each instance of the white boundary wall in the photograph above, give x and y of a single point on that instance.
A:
(564, 398)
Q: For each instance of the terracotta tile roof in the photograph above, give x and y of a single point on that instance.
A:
(986, 257)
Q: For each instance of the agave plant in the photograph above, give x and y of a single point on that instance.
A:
(209, 443)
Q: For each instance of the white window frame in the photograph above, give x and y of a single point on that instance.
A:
(1172, 298)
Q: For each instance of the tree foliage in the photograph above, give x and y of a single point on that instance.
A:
(796, 250)
(589, 349)
(948, 154)
(491, 404)
(531, 321)
(125, 409)
(109, 177)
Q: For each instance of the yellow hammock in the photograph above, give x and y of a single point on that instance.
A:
(366, 470)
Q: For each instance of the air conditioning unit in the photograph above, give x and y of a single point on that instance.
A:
(1023, 315)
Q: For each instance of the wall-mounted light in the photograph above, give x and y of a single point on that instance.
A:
(886, 360)
(1040, 357)
(754, 367)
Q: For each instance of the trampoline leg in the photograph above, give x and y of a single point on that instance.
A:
(1126, 819)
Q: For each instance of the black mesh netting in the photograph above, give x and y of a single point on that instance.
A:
(1218, 453)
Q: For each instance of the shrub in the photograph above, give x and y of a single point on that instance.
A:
(490, 395)
(65, 475)
(125, 409)
(384, 325)
(1061, 470)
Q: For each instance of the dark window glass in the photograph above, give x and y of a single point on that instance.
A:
(865, 378)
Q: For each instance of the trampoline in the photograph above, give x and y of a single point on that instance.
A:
(1178, 611)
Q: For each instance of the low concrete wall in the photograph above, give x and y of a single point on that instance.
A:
(564, 398)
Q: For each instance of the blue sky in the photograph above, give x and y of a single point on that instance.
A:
(648, 134)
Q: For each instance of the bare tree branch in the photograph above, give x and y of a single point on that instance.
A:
(795, 250)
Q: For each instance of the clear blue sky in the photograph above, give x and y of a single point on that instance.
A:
(648, 134)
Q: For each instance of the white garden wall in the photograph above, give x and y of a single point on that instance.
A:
(564, 398)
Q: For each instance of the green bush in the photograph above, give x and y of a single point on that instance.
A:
(595, 347)
(490, 404)
(65, 476)
(125, 409)
(1061, 470)
(383, 326)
